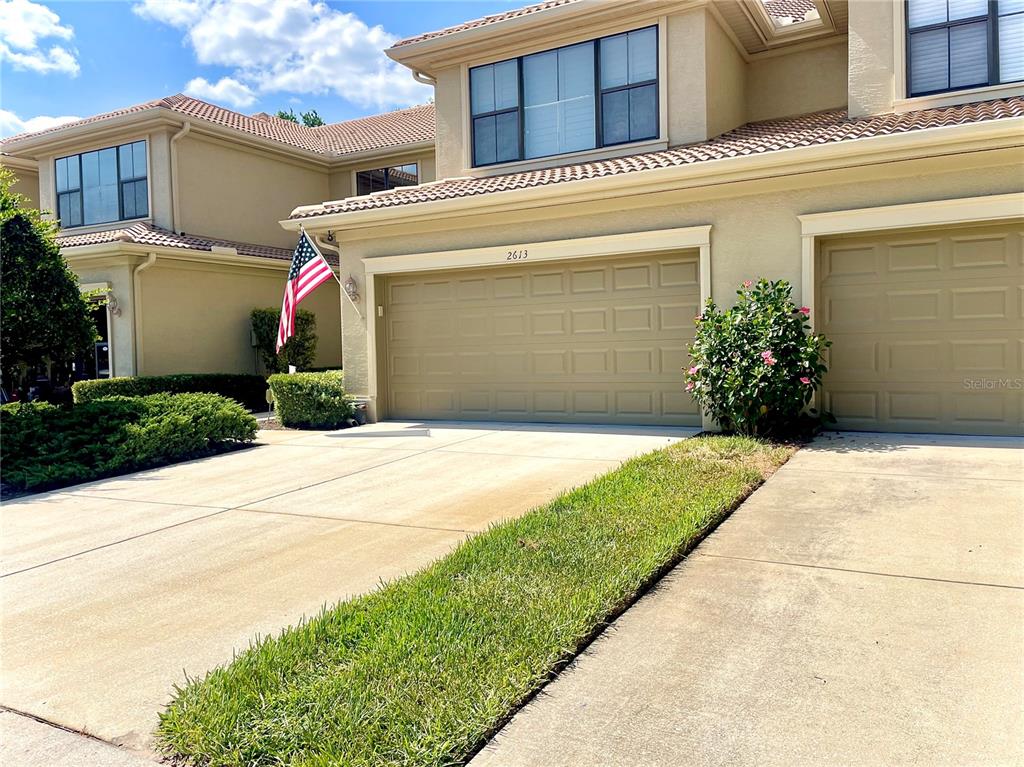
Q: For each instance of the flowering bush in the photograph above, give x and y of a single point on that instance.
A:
(754, 367)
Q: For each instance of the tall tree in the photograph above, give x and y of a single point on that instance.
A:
(44, 315)
(310, 119)
(289, 115)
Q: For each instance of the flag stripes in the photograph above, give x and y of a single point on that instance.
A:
(309, 271)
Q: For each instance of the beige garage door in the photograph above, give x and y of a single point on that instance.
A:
(928, 329)
(595, 341)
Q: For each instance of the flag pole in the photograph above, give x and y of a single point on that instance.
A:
(302, 230)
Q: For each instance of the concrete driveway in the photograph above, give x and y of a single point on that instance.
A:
(113, 590)
(864, 607)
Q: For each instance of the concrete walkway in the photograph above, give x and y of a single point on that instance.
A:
(111, 591)
(864, 607)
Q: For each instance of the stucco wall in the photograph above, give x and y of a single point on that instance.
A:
(195, 317)
(448, 111)
(236, 194)
(755, 228)
(118, 275)
(725, 73)
(871, 78)
(797, 83)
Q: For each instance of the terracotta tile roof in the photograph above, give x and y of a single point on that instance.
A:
(796, 10)
(484, 21)
(143, 233)
(391, 129)
(752, 139)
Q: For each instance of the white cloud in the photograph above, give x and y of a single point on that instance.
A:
(292, 46)
(23, 24)
(227, 90)
(11, 124)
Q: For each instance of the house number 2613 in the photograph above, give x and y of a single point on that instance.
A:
(515, 255)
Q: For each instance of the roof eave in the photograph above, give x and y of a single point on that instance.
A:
(97, 250)
(55, 140)
(943, 140)
(370, 154)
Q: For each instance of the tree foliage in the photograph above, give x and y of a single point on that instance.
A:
(310, 119)
(299, 350)
(44, 315)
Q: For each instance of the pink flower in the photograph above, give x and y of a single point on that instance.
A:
(805, 311)
(689, 386)
(805, 380)
(747, 283)
(693, 371)
(768, 358)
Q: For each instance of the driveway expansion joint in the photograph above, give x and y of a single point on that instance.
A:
(864, 572)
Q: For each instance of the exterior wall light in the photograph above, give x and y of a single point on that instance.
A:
(351, 289)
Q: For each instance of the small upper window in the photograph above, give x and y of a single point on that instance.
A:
(379, 179)
(582, 96)
(958, 44)
(103, 186)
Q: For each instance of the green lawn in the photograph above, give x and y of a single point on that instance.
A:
(424, 670)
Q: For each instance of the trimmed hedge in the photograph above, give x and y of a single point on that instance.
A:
(45, 446)
(311, 400)
(248, 389)
(299, 350)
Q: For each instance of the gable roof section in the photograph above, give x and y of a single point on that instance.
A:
(391, 129)
(816, 129)
(145, 234)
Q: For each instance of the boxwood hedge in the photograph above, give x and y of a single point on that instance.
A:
(311, 400)
(248, 389)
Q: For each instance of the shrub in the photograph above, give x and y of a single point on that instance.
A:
(299, 350)
(311, 400)
(755, 366)
(248, 389)
(45, 445)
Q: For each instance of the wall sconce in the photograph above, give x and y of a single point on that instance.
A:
(330, 236)
(351, 289)
(112, 306)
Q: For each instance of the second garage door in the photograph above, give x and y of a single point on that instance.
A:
(595, 341)
(928, 330)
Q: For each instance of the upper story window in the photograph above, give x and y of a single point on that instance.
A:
(583, 96)
(957, 44)
(379, 179)
(103, 186)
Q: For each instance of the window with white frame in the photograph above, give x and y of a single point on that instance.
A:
(583, 96)
(958, 44)
(103, 186)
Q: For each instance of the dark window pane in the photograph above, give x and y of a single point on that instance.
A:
(494, 87)
(968, 55)
(615, 117)
(69, 209)
(614, 62)
(62, 173)
(142, 198)
(139, 158)
(929, 61)
(484, 141)
(643, 55)
(481, 89)
(507, 137)
(128, 200)
(124, 156)
(643, 112)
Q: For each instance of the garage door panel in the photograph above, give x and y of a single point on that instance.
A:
(927, 331)
(598, 341)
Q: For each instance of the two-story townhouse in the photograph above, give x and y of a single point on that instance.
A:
(605, 168)
(170, 209)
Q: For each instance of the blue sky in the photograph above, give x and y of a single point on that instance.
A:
(77, 58)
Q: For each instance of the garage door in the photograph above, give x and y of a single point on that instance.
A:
(928, 330)
(595, 341)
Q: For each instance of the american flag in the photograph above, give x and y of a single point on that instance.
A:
(309, 270)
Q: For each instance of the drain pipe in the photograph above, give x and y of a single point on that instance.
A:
(422, 78)
(175, 208)
(137, 307)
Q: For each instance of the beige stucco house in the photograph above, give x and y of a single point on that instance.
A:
(604, 168)
(170, 208)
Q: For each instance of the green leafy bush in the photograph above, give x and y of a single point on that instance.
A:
(43, 445)
(248, 389)
(311, 400)
(299, 350)
(755, 366)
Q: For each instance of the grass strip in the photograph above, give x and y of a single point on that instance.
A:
(424, 670)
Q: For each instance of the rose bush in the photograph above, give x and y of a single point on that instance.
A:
(755, 367)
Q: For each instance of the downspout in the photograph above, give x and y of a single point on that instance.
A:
(175, 213)
(422, 78)
(137, 308)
